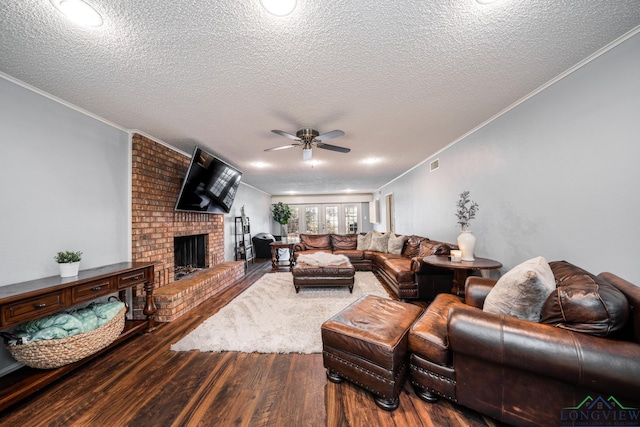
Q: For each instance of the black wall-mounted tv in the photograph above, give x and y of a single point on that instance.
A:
(210, 185)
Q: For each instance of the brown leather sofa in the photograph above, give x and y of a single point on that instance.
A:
(405, 273)
(560, 371)
(333, 243)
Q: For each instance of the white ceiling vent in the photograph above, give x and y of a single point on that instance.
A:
(434, 165)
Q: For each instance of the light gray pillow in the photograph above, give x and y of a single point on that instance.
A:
(371, 234)
(396, 243)
(379, 242)
(364, 241)
(522, 291)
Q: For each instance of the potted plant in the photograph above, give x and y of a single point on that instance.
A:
(69, 262)
(466, 211)
(281, 214)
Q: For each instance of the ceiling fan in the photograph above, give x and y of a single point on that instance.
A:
(307, 138)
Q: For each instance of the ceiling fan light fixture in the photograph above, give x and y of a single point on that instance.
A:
(78, 12)
(307, 138)
(279, 7)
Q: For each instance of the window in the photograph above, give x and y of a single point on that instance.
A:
(339, 218)
(311, 219)
(331, 220)
(293, 226)
(351, 219)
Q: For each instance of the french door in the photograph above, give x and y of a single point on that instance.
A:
(339, 218)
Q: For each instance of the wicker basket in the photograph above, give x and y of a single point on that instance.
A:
(51, 354)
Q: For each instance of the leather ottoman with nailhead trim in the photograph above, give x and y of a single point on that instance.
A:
(366, 344)
(305, 275)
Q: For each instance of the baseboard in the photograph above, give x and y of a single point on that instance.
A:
(10, 368)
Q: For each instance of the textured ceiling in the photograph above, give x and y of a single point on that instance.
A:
(401, 79)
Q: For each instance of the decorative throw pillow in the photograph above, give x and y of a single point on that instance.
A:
(364, 241)
(584, 303)
(379, 242)
(522, 291)
(396, 243)
(372, 233)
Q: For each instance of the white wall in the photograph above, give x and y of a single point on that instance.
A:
(64, 185)
(257, 206)
(555, 176)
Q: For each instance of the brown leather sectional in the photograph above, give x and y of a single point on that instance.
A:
(585, 349)
(405, 273)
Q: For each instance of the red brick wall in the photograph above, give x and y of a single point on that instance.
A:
(157, 173)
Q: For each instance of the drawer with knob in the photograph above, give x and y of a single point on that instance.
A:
(33, 308)
(132, 278)
(91, 290)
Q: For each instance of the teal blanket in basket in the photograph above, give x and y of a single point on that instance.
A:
(69, 323)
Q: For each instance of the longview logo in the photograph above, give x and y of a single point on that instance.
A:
(600, 412)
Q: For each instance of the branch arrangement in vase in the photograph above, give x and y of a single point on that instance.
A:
(466, 210)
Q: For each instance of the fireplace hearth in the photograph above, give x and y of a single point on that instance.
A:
(190, 254)
(181, 271)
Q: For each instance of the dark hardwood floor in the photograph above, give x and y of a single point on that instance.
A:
(143, 383)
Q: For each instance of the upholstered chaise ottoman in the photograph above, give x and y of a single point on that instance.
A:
(308, 275)
(366, 343)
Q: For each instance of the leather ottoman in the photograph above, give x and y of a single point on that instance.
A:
(366, 344)
(306, 275)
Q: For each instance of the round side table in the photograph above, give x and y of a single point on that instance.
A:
(461, 269)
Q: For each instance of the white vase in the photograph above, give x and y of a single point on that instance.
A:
(283, 232)
(467, 244)
(69, 269)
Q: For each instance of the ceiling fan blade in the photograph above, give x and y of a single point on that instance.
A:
(332, 147)
(286, 135)
(333, 134)
(282, 147)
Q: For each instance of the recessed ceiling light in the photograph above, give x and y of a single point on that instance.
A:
(370, 160)
(279, 7)
(78, 12)
(261, 165)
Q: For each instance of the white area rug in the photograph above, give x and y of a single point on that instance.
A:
(270, 317)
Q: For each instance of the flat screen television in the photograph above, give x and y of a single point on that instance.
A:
(210, 185)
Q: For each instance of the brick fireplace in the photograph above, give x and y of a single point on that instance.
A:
(189, 254)
(157, 173)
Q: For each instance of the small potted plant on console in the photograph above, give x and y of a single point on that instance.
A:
(69, 263)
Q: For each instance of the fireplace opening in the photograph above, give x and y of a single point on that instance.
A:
(190, 254)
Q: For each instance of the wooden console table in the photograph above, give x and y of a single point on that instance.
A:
(461, 269)
(275, 255)
(26, 301)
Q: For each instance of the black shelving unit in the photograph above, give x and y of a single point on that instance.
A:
(244, 244)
